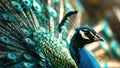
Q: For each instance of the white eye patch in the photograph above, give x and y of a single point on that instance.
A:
(83, 35)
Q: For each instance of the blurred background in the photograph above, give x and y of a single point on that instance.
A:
(104, 16)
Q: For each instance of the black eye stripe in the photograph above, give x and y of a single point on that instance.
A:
(89, 33)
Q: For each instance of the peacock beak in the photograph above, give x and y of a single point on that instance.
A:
(98, 38)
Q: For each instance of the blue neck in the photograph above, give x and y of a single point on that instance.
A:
(74, 46)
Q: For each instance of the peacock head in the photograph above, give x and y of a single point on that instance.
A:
(85, 35)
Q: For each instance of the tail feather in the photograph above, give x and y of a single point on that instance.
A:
(28, 36)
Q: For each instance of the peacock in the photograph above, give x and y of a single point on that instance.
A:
(32, 37)
(84, 35)
(27, 39)
(81, 35)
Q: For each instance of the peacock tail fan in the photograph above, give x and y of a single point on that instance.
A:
(27, 38)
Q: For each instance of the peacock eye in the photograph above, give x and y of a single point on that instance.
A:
(7, 17)
(26, 64)
(27, 56)
(26, 2)
(16, 5)
(86, 31)
(37, 7)
(5, 39)
(12, 56)
(29, 41)
(52, 11)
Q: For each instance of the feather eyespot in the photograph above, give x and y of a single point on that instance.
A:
(26, 2)
(25, 31)
(27, 56)
(5, 39)
(29, 41)
(16, 5)
(52, 11)
(6, 17)
(12, 56)
(37, 7)
(26, 64)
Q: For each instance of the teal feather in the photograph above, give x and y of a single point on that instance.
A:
(5, 39)
(37, 7)
(26, 39)
(52, 11)
(16, 5)
(27, 3)
(11, 56)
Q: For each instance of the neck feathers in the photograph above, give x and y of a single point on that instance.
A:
(75, 54)
(76, 43)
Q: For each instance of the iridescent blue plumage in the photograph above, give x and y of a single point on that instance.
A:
(87, 60)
